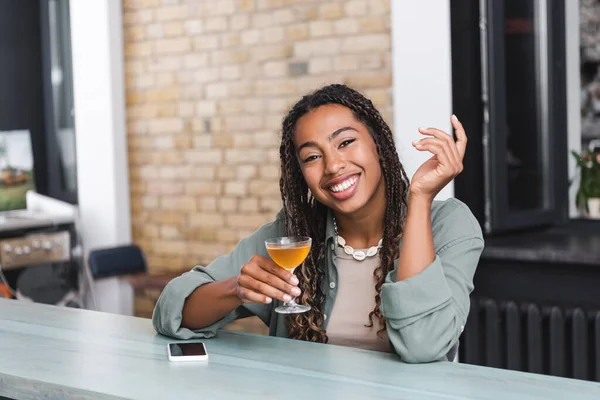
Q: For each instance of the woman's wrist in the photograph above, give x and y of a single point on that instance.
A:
(419, 202)
(232, 291)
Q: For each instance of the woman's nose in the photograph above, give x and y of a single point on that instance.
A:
(333, 164)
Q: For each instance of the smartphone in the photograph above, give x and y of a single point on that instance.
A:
(187, 351)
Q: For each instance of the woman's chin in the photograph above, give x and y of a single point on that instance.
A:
(349, 206)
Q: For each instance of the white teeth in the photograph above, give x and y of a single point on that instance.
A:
(340, 187)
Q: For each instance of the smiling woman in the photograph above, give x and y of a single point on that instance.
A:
(389, 269)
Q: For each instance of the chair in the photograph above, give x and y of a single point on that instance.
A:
(109, 268)
(117, 261)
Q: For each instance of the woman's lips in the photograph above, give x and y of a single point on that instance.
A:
(344, 189)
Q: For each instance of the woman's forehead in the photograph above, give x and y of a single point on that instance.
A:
(325, 120)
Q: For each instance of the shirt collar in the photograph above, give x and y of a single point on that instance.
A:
(329, 231)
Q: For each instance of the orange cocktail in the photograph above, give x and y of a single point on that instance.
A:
(289, 257)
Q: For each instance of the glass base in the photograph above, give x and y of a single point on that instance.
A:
(292, 309)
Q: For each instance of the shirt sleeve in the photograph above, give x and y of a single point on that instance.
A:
(167, 315)
(426, 313)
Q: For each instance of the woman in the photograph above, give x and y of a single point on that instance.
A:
(341, 178)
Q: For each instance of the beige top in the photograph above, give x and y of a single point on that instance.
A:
(355, 300)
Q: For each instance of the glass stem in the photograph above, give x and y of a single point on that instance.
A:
(292, 302)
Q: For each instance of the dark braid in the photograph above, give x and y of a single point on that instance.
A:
(305, 216)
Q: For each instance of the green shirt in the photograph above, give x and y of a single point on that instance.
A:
(425, 314)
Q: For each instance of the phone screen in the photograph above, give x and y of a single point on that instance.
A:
(187, 349)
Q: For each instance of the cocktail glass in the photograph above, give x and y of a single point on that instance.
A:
(288, 252)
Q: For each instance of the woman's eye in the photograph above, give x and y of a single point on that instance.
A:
(310, 158)
(346, 142)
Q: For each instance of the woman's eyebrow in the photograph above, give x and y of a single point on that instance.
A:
(329, 138)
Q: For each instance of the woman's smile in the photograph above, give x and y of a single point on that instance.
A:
(344, 187)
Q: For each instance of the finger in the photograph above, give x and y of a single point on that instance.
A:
(461, 136)
(256, 272)
(270, 266)
(439, 148)
(264, 288)
(439, 134)
(275, 282)
(249, 296)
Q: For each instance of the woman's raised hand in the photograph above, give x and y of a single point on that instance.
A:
(446, 162)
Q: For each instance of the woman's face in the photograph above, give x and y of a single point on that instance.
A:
(339, 160)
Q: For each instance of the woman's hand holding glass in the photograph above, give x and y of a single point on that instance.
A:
(261, 281)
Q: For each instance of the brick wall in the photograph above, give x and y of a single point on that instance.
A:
(208, 83)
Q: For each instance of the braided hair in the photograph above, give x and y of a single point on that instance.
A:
(306, 216)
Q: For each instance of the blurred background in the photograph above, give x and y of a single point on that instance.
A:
(139, 138)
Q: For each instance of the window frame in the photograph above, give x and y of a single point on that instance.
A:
(498, 216)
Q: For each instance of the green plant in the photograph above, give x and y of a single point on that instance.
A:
(589, 182)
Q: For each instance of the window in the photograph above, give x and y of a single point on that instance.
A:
(521, 102)
(37, 95)
(58, 90)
